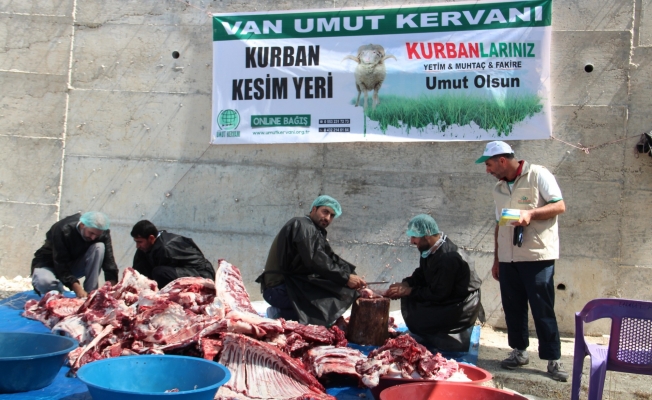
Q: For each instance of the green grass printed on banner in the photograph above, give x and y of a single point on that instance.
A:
(447, 110)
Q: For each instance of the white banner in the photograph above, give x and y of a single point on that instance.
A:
(459, 71)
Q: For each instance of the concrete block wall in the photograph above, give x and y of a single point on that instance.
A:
(96, 114)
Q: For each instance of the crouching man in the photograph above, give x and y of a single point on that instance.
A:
(164, 256)
(440, 302)
(304, 280)
(75, 247)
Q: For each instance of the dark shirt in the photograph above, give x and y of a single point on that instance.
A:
(301, 248)
(443, 277)
(172, 250)
(64, 244)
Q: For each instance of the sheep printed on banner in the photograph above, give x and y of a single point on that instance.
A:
(370, 72)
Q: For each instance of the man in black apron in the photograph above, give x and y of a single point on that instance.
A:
(440, 302)
(164, 257)
(304, 280)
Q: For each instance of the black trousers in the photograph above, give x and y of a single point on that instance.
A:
(164, 275)
(277, 296)
(530, 282)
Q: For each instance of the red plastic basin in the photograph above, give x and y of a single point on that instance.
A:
(446, 390)
(476, 375)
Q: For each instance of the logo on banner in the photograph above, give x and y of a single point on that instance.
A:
(228, 120)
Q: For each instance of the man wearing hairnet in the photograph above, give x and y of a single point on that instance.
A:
(440, 302)
(75, 247)
(304, 280)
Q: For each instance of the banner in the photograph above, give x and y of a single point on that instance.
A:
(459, 71)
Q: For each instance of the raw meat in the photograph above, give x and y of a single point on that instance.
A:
(252, 362)
(52, 308)
(196, 317)
(314, 333)
(192, 293)
(230, 288)
(323, 360)
(403, 357)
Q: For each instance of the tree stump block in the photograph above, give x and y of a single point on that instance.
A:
(368, 323)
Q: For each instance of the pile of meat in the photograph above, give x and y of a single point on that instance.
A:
(403, 357)
(271, 359)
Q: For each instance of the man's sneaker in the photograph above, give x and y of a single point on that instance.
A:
(556, 371)
(273, 312)
(517, 358)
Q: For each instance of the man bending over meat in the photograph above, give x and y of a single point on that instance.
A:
(440, 302)
(304, 280)
(75, 247)
(164, 256)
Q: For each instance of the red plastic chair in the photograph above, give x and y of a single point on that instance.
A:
(629, 348)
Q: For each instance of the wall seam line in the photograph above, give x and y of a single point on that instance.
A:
(66, 111)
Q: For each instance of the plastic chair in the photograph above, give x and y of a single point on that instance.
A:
(629, 348)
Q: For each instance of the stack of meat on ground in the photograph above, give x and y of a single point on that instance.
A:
(270, 359)
(403, 357)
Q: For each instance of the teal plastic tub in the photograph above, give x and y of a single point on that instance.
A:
(150, 376)
(31, 361)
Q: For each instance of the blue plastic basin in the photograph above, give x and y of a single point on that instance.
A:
(149, 376)
(30, 361)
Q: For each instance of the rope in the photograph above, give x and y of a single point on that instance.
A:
(587, 149)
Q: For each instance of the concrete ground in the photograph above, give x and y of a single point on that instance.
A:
(533, 381)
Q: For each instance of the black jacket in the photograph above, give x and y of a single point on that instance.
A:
(64, 244)
(315, 276)
(445, 293)
(171, 250)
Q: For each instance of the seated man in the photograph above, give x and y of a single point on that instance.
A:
(164, 257)
(77, 246)
(304, 279)
(440, 302)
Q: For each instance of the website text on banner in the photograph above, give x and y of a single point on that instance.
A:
(460, 71)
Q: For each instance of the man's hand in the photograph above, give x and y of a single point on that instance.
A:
(355, 282)
(113, 282)
(495, 269)
(541, 213)
(398, 290)
(79, 290)
(524, 219)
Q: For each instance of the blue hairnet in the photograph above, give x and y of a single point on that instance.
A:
(95, 219)
(328, 201)
(422, 225)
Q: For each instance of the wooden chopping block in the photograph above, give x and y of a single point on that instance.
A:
(368, 323)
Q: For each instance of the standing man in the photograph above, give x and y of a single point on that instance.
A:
(304, 280)
(525, 270)
(440, 302)
(77, 246)
(164, 257)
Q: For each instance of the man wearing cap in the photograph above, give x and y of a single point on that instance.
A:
(524, 258)
(440, 302)
(304, 280)
(77, 246)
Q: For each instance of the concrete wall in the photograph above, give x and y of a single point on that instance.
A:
(96, 114)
